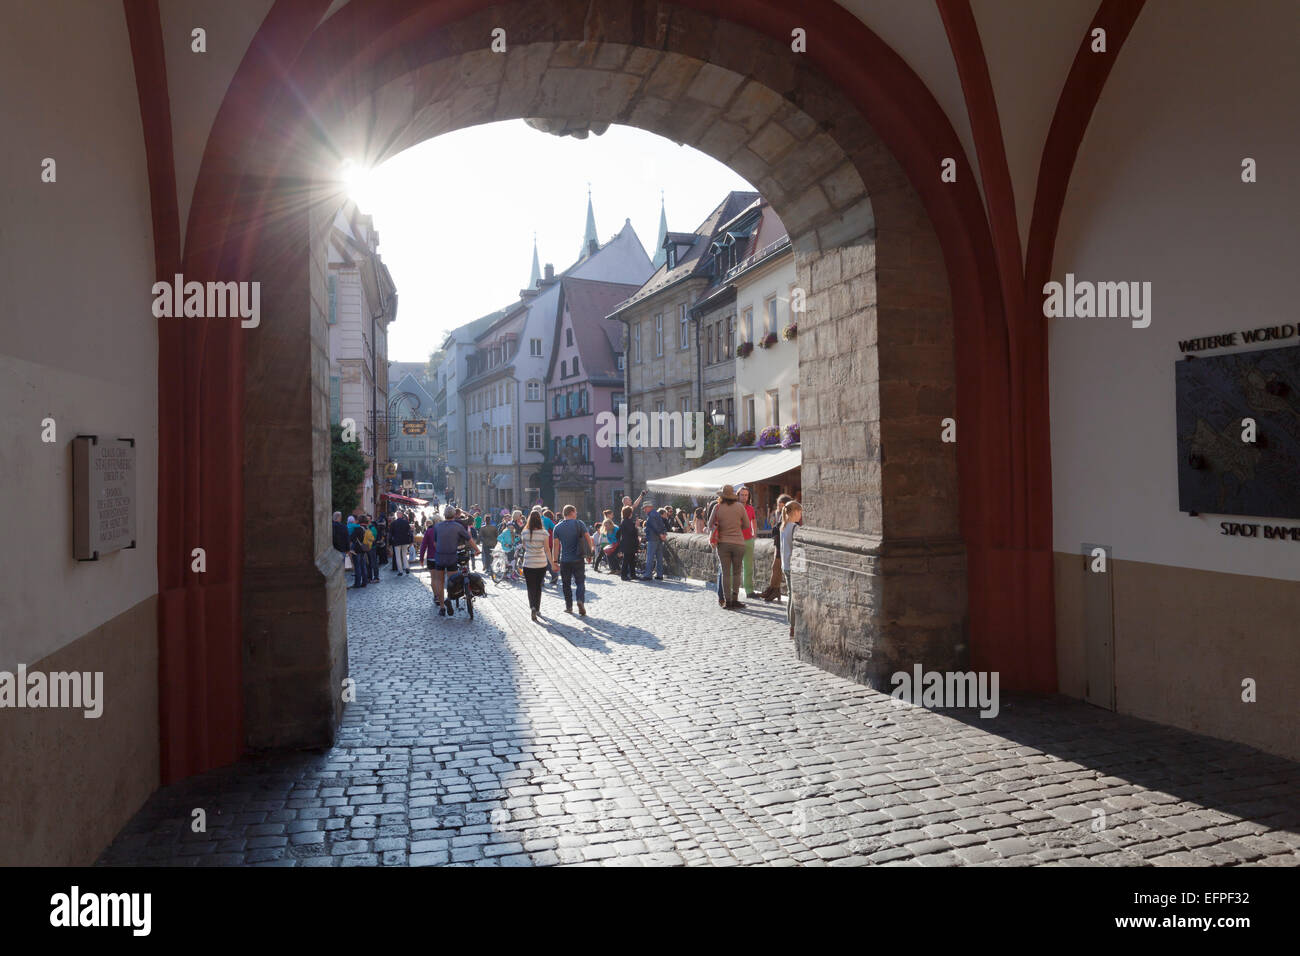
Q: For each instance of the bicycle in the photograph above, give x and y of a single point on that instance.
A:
(507, 566)
(464, 583)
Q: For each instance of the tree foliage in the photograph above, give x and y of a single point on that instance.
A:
(716, 442)
(347, 468)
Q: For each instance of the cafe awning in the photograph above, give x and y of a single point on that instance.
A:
(393, 496)
(741, 467)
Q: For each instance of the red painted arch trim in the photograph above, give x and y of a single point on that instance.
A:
(200, 482)
(986, 127)
(144, 28)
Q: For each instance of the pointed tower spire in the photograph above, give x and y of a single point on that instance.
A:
(536, 277)
(661, 255)
(590, 236)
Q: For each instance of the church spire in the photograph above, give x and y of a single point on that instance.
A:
(661, 254)
(590, 236)
(536, 277)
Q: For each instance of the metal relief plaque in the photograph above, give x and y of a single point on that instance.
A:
(103, 496)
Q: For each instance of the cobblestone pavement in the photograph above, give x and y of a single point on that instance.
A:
(662, 729)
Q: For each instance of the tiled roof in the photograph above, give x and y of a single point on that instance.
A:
(694, 260)
(588, 303)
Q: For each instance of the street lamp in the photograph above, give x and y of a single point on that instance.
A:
(719, 418)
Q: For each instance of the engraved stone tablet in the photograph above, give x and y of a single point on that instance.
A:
(103, 495)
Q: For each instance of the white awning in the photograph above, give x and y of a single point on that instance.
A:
(740, 467)
(505, 480)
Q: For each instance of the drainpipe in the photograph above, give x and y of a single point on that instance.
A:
(627, 404)
(374, 417)
(699, 367)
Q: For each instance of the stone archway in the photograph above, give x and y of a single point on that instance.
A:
(886, 579)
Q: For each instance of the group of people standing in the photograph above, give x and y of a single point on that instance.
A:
(373, 542)
(732, 527)
(565, 547)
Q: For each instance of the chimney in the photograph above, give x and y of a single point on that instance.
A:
(550, 272)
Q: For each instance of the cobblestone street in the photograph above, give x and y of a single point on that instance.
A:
(663, 730)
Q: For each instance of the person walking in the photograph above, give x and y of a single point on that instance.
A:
(357, 547)
(392, 548)
(441, 544)
(729, 519)
(570, 534)
(548, 522)
(773, 590)
(400, 538)
(751, 530)
(627, 543)
(791, 518)
(656, 533)
(372, 553)
(604, 538)
(537, 559)
(381, 543)
(717, 555)
(340, 532)
(487, 539)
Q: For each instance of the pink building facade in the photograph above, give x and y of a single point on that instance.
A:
(585, 379)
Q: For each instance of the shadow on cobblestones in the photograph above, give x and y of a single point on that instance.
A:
(663, 730)
(1170, 768)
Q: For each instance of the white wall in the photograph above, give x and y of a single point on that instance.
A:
(197, 82)
(78, 340)
(1157, 196)
(766, 369)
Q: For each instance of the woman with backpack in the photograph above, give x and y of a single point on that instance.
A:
(537, 559)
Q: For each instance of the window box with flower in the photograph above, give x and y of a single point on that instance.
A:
(768, 340)
(790, 332)
(744, 349)
(769, 436)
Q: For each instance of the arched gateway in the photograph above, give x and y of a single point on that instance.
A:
(903, 328)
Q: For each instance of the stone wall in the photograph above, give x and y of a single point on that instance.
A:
(689, 556)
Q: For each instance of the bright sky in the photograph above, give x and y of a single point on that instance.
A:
(456, 214)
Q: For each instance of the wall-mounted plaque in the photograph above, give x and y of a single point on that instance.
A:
(1218, 471)
(415, 427)
(103, 496)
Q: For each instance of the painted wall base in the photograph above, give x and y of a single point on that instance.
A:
(69, 782)
(1184, 641)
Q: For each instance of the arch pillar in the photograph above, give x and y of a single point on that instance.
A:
(294, 594)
